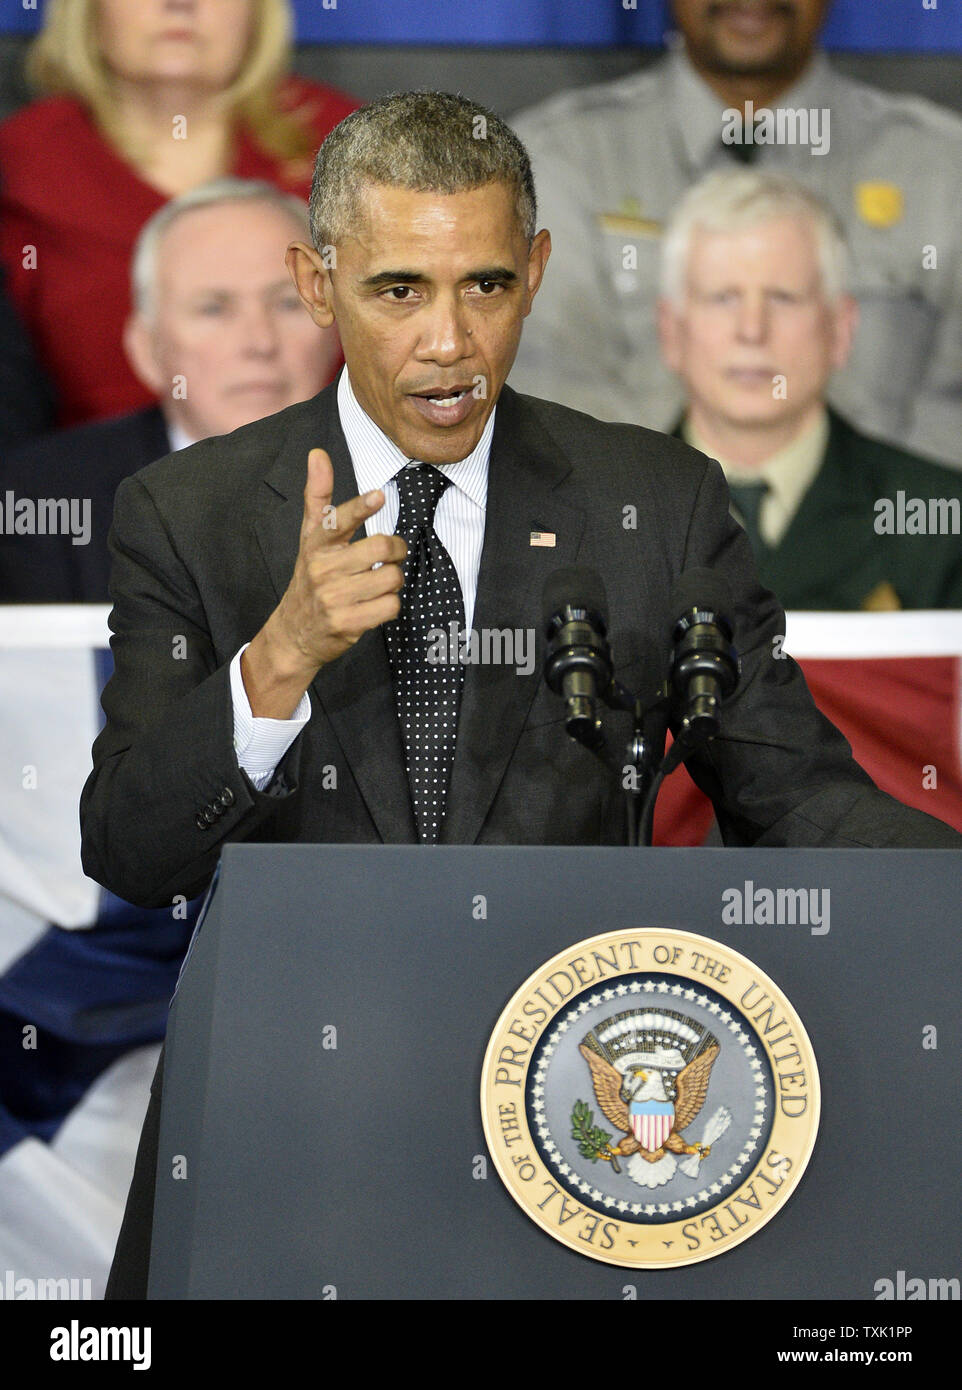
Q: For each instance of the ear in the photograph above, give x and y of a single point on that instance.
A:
(311, 273)
(845, 322)
(538, 255)
(139, 347)
(669, 333)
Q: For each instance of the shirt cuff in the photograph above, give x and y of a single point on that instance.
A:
(260, 743)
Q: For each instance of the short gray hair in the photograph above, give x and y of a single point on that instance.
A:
(143, 266)
(741, 198)
(431, 142)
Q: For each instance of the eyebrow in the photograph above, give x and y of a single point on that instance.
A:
(500, 274)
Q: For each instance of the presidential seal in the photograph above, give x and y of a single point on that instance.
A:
(650, 1098)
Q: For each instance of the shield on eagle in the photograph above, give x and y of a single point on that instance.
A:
(651, 1122)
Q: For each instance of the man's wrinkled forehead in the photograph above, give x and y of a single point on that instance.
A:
(408, 234)
(394, 212)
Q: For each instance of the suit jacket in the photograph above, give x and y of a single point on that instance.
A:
(88, 463)
(832, 557)
(205, 543)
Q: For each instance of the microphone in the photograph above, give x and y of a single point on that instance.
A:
(578, 660)
(705, 667)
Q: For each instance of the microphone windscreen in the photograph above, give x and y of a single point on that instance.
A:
(704, 589)
(574, 587)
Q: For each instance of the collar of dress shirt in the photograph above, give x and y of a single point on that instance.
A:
(789, 474)
(178, 437)
(701, 107)
(376, 458)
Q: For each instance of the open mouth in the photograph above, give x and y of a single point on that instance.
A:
(439, 399)
(446, 406)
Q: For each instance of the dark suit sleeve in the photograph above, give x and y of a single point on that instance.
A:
(780, 773)
(166, 755)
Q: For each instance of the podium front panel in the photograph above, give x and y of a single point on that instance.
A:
(321, 1132)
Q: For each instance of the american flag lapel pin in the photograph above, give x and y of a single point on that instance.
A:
(546, 538)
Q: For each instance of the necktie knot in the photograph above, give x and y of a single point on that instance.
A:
(419, 486)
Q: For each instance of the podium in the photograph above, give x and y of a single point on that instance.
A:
(321, 1131)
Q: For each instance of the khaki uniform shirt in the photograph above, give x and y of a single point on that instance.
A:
(610, 163)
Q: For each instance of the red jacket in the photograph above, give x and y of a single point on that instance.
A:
(65, 191)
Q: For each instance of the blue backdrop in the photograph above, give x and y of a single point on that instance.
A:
(879, 25)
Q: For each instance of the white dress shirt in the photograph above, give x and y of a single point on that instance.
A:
(261, 743)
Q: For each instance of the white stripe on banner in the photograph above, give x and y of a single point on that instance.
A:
(61, 1204)
(62, 626)
(829, 636)
(49, 718)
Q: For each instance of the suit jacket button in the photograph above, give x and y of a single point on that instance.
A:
(227, 796)
(210, 815)
(199, 821)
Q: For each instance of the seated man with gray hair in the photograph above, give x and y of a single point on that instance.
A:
(220, 340)
(754, 317)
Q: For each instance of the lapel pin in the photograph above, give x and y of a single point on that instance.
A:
(546, 538)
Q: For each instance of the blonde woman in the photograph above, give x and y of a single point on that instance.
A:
(143, 100)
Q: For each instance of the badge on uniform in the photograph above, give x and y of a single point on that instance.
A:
(879, 204)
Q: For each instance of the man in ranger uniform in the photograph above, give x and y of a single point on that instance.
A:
(747, 85)
(754, 319)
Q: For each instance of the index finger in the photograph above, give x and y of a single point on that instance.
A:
(340, 522)
(329, 523)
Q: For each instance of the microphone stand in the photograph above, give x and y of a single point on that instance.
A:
(704, 670)
(640, 769)
(645, 755)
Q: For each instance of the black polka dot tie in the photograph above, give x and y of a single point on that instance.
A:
(428, 689)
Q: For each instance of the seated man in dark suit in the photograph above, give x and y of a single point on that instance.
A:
(754, 319)
(273, 677)
(220, 342)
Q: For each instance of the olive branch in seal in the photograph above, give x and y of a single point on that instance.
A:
(592, 1141)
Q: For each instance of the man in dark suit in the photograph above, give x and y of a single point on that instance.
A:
(266, 665)
(754, 319)
(220, 344)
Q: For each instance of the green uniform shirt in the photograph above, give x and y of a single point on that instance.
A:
(838, 552)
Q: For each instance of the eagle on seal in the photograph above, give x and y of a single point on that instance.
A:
(615, 1092)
